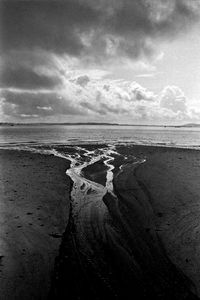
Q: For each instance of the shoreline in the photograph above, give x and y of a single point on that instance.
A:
(94, 144)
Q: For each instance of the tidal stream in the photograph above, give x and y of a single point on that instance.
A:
(111, 248)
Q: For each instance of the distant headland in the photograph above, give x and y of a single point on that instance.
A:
(189, 125)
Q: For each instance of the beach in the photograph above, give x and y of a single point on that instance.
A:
(34, 193)
(142, 241)
(171, 179)
(131, 247)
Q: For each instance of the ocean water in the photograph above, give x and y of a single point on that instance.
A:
(71, 135)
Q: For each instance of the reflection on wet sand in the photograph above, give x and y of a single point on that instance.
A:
(111, 248)
(133, 222)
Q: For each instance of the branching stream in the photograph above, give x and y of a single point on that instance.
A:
(111, 248)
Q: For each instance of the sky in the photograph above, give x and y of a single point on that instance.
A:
(121, 61)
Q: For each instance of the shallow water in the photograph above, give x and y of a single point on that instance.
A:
(56, 134)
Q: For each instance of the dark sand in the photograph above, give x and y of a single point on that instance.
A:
(160, 199)
(171, 180)
(148, 245)
(34, 210)
(96, 172)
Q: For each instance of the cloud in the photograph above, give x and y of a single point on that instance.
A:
(173, 98)
(139, 93)
(21, 104)
(97, 30)
(79, 96)
(24, 78)
(113, 97)
(49, 25)
(83, 80)
(100, 99)
(29, 70)
(148, 75)
(44, 107)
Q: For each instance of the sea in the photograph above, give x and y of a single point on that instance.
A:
(87, 134)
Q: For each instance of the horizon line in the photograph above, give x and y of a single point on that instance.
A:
(98, 123)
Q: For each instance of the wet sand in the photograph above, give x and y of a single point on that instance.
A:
(34, 210)
(144, 242)
(170, 179)
(118, 250)
(160, 199)
(96, 172)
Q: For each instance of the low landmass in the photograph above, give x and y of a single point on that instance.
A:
(189, 125)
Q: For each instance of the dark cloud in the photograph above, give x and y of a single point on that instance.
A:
(83, 80)
(141, 94)
(24, 78)
(49, 25)
(40, 104)
(94, 28)
(29, 70)
(106, 87)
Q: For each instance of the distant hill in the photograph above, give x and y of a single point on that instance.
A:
(49, 124)
(190, 125)
(88, 123)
